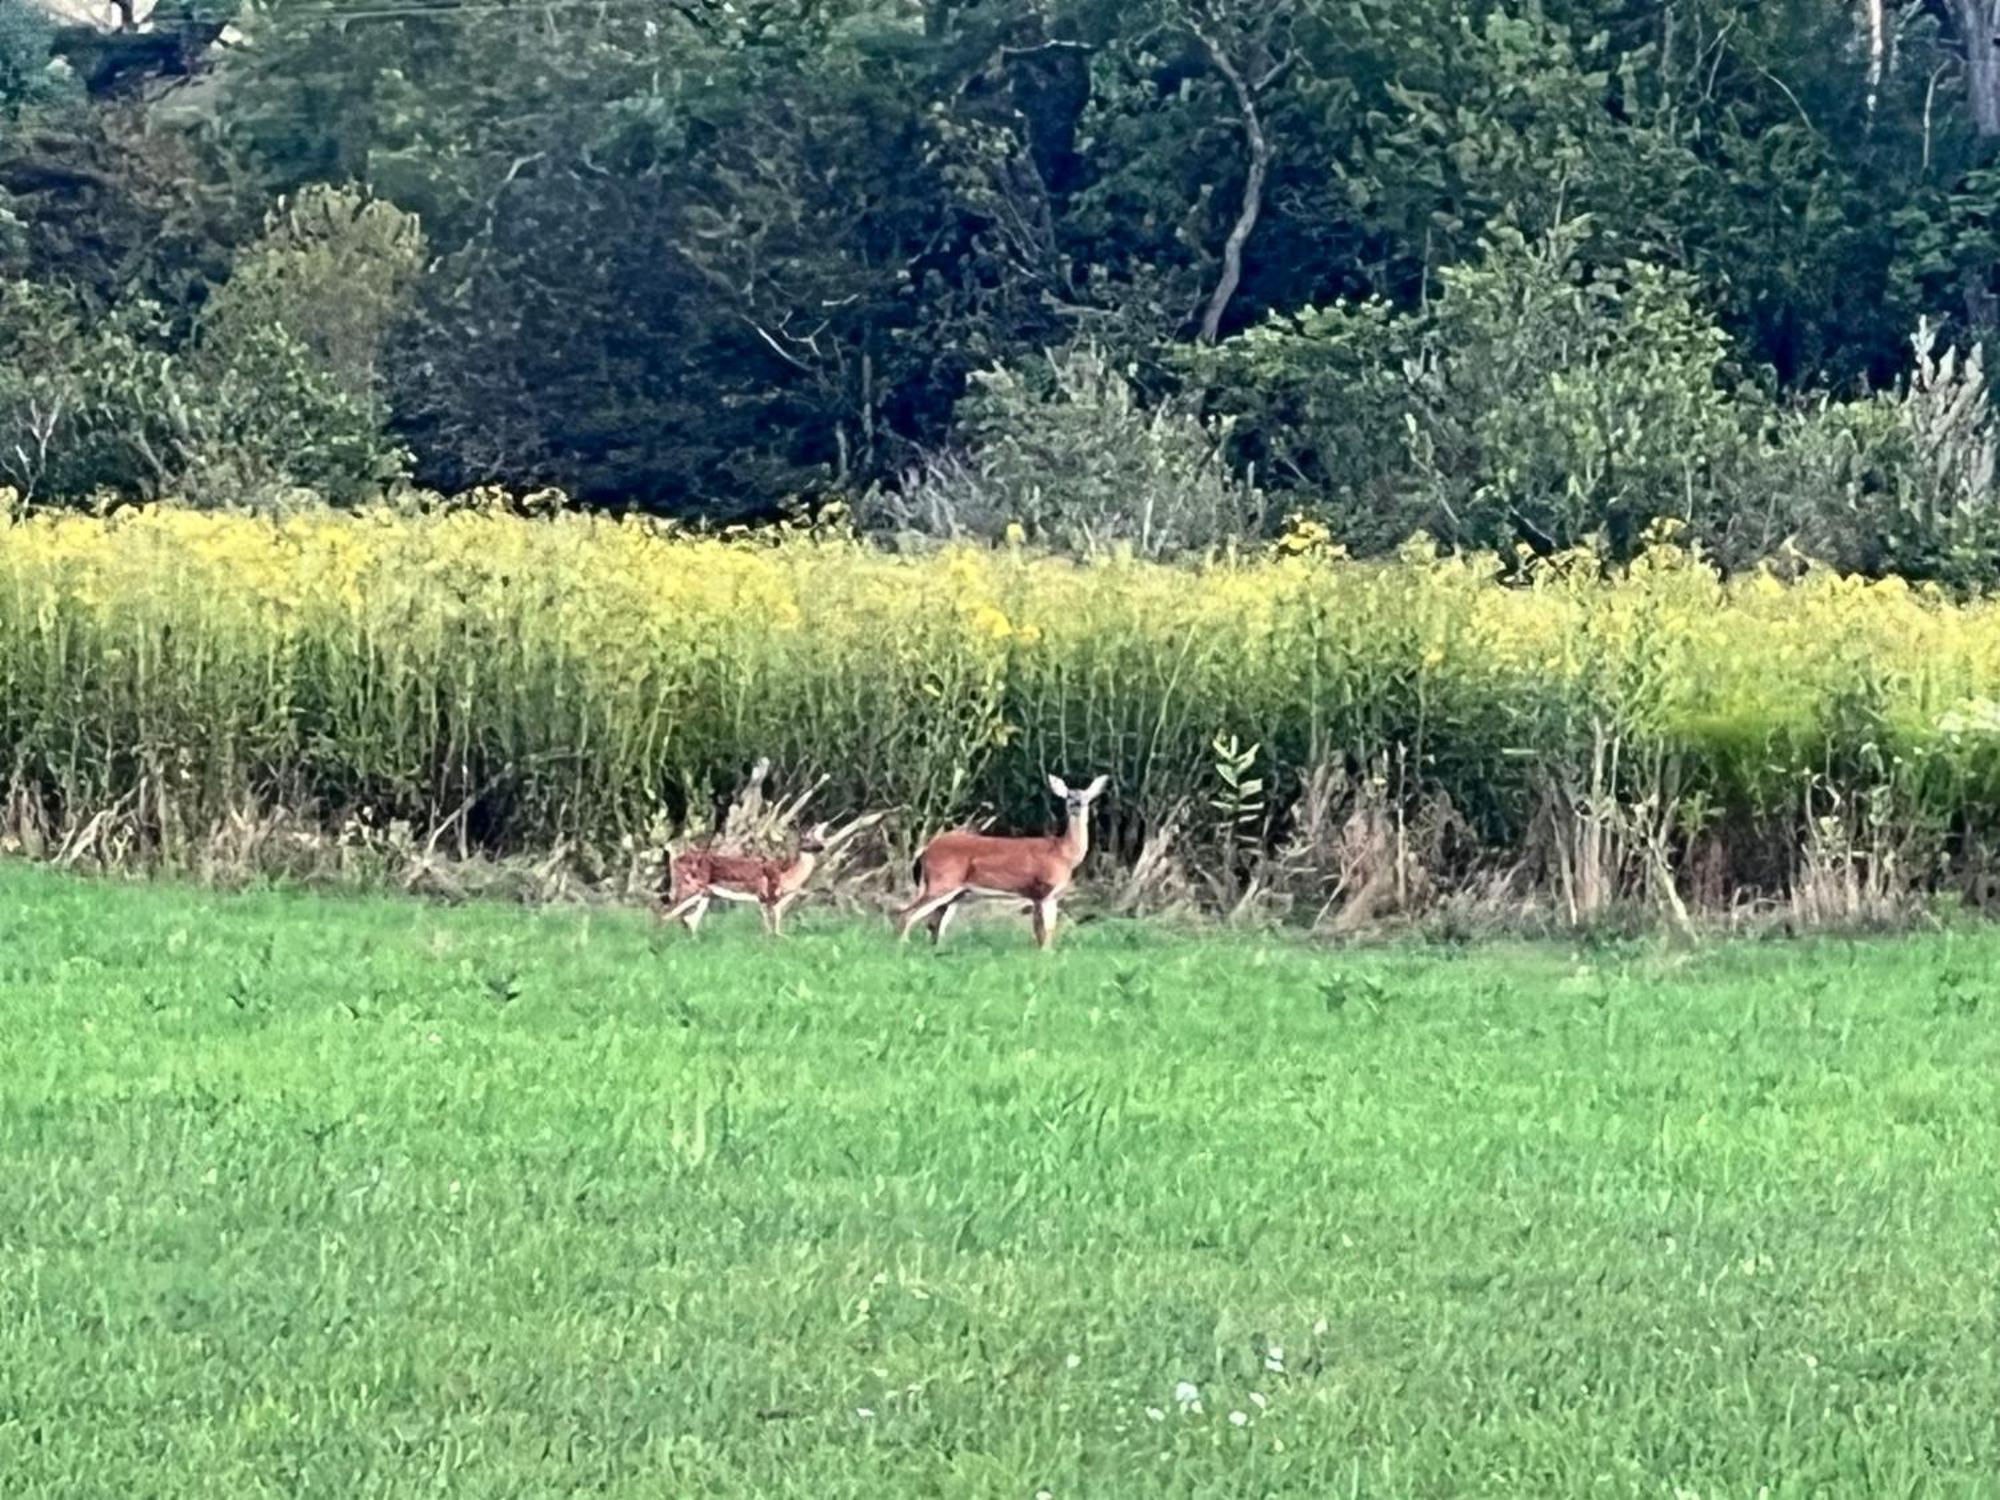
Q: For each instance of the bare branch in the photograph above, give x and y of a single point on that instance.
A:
(1085, 48)
(780, 350)
(1276, 71)
(1253, 181)
(1930, 100)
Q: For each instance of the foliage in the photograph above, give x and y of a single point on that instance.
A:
(719, 260)
(288, 354)
(1554, 403)
(264, 419)
(1537, 400)
(276, 389)
(1902, 483)
(85, 403)
(1950, 526)
(710, 262)
(110, 205)
(1493, 124)
(30, 74)
(41, 390)
(494, 1152)
(1003, 170)
(1068, 455)
(110, 405)
(574, 678)
(1322, 400)
(332, 270)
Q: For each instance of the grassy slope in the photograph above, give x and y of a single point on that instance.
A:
(294, 1199)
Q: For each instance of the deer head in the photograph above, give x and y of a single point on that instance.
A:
(1077, 803)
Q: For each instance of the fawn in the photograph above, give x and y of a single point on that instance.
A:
(701, 875)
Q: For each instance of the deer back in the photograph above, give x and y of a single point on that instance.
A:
(1033, 866)
(767, 879)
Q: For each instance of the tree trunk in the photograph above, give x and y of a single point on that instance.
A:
(1979, 20)
(1979, 23)
(1253, 189)
(1878, 50)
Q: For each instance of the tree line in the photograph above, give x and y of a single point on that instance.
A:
(1153, 272)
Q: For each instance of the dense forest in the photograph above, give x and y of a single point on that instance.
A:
(1154, 272)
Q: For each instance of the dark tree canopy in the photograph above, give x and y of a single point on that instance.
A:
(711, 259)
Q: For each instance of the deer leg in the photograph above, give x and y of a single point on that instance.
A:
(678, 910)
(696, 909)
(941, 919)
(918, 909)
(1045, 922)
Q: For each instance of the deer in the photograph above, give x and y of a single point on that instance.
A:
(957, 865)
(699, 876)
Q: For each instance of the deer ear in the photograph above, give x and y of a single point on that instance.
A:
(1096, 788)
(1058, 785)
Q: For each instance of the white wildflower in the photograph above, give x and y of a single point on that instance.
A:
(863, 1412)
(1073, 1361)
(1239, 1419)
(1153, 1413)
(1257, 1399)
(1187, 1394)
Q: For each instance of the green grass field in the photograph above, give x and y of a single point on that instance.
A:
(358, 1197)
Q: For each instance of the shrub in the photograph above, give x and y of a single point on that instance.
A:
(86, 404)
(286, 362)
(1071, 455)
(1901, 482)
(1540, 399)
(333, 271)
(1543, 400)
(277, 391)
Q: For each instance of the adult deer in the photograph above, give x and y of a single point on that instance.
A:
(955, 866)
(701, 875)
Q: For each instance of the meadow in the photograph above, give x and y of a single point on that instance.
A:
(175, 682)
(350, 1196)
